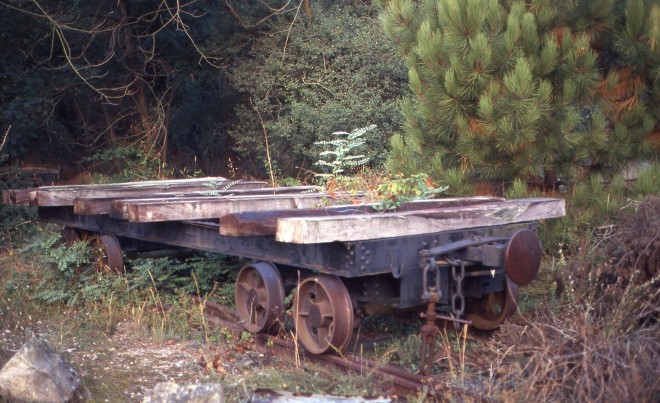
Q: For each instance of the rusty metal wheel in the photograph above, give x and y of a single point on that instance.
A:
(259, 297)
(323, 314)
(490, 311)
(107, 252)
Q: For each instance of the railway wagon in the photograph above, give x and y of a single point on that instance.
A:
(463, 259)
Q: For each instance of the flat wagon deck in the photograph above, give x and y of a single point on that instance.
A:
(466, 256)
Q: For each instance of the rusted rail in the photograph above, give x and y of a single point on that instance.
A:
(401, 381)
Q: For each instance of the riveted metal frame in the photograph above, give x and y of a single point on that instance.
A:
(395, 258)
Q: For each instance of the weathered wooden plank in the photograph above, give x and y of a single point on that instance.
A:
(29, 195)
(66, 197)
(103, 205)
(261, 223)
(305, 230)
(176, 210)
(19, 197)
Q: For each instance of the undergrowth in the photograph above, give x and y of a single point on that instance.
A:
(153, 295)
(594, 336)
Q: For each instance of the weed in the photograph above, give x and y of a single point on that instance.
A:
(396, 191)
(246, 337)
(215, 189)
(342, 161)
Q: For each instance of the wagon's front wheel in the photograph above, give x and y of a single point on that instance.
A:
(259, 297)
(323, 314)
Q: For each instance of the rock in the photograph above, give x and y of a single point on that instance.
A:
(170, 392)
(36, 373)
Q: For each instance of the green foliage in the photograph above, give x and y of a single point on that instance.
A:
(13, 218)
(53, 251)
(75, 279)
(325, 75)
(648, 182)
(201, 274)
(71, 268)
(125, 164)
(340, 150)
(593, 205)
(501, 90)
(215, 188)
(396, 191)
(519, 190)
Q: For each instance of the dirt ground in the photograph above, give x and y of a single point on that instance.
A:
(115, 368)
(120, 364)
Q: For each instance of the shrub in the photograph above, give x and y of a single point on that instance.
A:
(326, 75)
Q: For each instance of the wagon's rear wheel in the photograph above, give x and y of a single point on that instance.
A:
(490, 311)
(107, 252)
(323, 314)
(259, 297)
(70, 235)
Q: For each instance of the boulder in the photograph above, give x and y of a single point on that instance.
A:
(170, 392)
(36, 373)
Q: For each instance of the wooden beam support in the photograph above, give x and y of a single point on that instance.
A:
(66, 197)
(308, 230)
(103, 205)
(210, 207)
(29, 195)
(259, 223)
(19, 197)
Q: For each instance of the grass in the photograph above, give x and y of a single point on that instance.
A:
(313, 379)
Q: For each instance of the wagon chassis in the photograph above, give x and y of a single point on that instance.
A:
(461, 258)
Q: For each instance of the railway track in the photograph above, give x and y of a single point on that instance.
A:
(399, 381)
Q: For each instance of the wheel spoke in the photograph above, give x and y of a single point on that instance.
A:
(259, 296)
(324, 314)
(322, 335)
(244, 287)
(262, 295)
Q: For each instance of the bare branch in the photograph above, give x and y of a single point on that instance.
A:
(273, 12)
(286, 42)
(4, 138)
(263, 127)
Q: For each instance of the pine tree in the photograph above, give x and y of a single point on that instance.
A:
(631, 88)
(509, 89)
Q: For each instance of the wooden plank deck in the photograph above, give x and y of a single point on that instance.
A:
(260, 223)
(103, 205)
(214, 207)
(306, 230)
(295, 215)
(55, 195)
